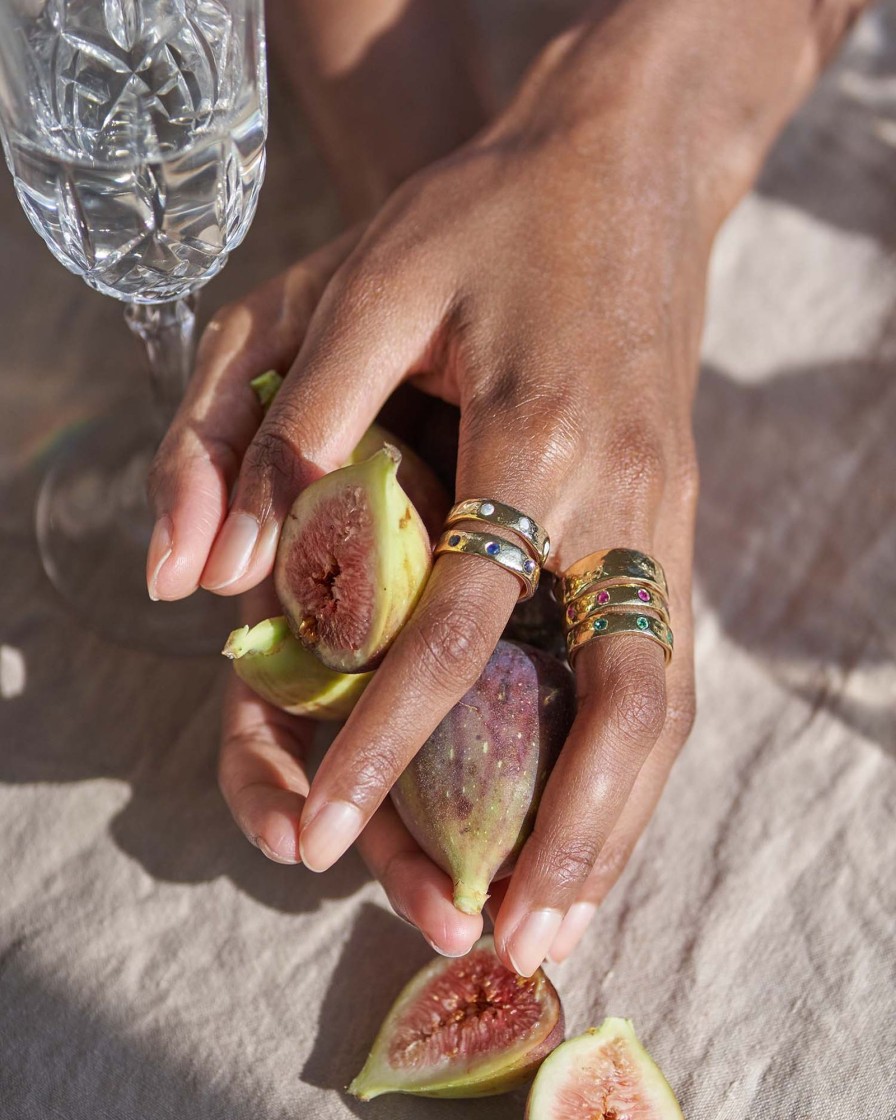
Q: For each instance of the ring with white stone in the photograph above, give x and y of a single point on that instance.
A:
(509, 556)
(505, 517)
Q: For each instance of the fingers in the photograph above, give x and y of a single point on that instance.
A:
(262, 777)
(261, 771)
(363, 340)
(619, 720)
(417, 890)
(437, 657)
(199, 459)
(634, 716)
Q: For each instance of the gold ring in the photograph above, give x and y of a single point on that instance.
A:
(614, 597)
(611, 564)
(508, 556)
(603, 626)
(497, 513)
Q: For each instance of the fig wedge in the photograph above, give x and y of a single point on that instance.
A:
(276, 666)
(352, 561)
(466, 1027)
(603, 1074)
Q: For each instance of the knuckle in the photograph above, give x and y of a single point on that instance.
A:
(569, 861)
(451, 646)
(635, 458)
(373, 773)
(638, 700)
(273, 451)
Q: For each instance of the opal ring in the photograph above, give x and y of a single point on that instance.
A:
(507, 555)
(505, 517)
(610, 564)
(604, 625)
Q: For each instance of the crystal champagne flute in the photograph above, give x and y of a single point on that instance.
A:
(135, 132)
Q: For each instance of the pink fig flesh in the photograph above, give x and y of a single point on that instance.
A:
(464, 1028)
(603, 1074)
(470, 795)
(351, 563)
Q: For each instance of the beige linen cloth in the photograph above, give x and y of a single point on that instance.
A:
(154, 965)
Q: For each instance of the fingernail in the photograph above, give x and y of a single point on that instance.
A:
(529, 943)
(331, 831)
(160, 548)
(443, 952)
(232, 552)
(272, 854)
(577, 920)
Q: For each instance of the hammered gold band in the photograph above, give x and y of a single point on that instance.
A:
(610, 564)
(507, 555)
(506, 517)
(605, 625)
(615, 597)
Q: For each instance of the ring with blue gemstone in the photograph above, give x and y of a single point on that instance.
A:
(498, 550)
(492, 512)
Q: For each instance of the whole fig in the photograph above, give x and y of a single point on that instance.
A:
(470, 795)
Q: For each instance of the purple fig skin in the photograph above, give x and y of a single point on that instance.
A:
(470, 795)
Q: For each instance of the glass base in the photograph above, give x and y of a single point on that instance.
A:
(93, 530)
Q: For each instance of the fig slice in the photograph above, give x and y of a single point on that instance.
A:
(466, 1027)
(470, 794)
(278, 668)
(603, 1074)
(352, 561)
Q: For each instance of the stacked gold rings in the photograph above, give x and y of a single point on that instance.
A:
(523, 562)
(617, 591)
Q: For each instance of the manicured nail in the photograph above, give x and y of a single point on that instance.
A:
(160, 548)
(232, 552)
(443, 952)
(577, 920)
(331, 831)
(272, 854)
(529, 943)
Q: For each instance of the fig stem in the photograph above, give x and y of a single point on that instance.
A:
(469, 899)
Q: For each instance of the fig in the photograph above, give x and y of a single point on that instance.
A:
(466, 1027)
(276, 666)
(351, 563)
(603, 1074)
(470, 794)
(418, 479)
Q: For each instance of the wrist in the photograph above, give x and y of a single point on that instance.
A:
(684, 94)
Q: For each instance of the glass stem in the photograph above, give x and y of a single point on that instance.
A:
(168, 331)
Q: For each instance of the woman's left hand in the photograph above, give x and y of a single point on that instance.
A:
(548, 279)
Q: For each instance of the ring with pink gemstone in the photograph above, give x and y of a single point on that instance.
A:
(615, 597)
(506, 517)
(608, 566)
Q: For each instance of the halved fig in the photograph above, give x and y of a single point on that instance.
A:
(463, 1028)
(352, 561)
(278, 668)
(603, 1074)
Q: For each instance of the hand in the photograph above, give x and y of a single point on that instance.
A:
(548, 279)
(263, 778)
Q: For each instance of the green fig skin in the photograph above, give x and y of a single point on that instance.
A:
(278, 668)
(470, 795)
(430, 1044)
(602, 1074)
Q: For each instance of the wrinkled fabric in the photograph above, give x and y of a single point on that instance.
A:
(154, 965)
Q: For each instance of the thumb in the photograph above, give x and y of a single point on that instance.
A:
(362, 341)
